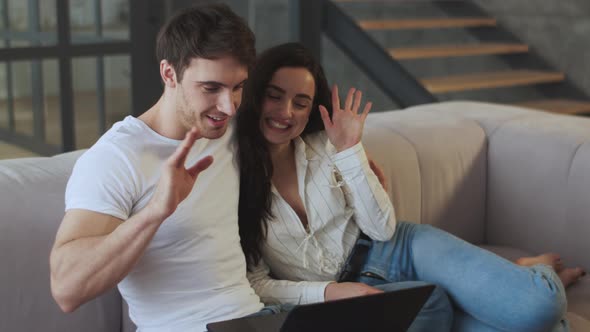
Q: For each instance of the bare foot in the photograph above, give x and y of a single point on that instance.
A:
(551, 259)
(570, 275)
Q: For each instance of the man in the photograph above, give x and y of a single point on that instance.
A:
(178, 265)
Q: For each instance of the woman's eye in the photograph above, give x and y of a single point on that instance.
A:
(271, 96)
(300, 104)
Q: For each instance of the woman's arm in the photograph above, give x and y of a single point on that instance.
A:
(273, 291)
(373, 210)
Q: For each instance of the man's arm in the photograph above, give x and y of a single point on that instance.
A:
(93, 251)
(378, 172)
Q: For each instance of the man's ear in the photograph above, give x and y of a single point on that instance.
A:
(168, 74)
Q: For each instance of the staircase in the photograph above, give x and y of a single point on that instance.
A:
(458, 52)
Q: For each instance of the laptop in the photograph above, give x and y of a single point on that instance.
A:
(390, 311)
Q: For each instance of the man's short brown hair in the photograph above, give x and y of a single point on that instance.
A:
(207, 31)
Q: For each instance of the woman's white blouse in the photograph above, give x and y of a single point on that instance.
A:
(340, 194)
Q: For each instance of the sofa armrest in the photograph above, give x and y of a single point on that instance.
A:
(539, 185)
(32, 205)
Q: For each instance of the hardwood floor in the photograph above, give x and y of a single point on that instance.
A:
(117, 105)
(9, 151)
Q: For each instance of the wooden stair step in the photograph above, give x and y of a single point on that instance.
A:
(427, 23)
(563, 106)
(423, 52)
(489, 80)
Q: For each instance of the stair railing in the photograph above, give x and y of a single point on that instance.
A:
(310, 18)
(530, 60)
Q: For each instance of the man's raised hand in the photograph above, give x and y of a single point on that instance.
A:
(177, 181)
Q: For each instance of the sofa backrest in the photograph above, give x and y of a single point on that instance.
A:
(32, 206)
(436, 166)
(539, 185)
(493, 174)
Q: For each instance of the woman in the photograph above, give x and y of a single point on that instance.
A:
(307, 191)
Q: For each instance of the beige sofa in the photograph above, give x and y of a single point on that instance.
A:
(513, 180)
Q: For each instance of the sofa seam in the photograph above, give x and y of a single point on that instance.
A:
(487, 164)
(569, 172)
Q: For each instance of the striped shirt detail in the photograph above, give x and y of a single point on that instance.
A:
(342, 196)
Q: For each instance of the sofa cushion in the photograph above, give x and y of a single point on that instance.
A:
(398, 159)
(538, 184)
(437, 166)
(487, 115)
(577, 294)
(578, 323)
(510, 253)
(32, 205)
(578, 297)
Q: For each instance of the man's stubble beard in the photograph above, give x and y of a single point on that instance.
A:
(189, 119)
(192, 118)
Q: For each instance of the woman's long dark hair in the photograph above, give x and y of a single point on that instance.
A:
(254, 158)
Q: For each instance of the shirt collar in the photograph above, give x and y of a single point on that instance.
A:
(304, 151)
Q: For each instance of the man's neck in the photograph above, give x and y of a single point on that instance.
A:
(162, 119)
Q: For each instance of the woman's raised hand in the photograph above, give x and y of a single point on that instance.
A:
(346, 126)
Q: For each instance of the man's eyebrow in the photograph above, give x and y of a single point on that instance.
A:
(300, 95)
(219, 83)
(211, 82)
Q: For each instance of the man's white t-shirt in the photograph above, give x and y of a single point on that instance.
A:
(193, 272)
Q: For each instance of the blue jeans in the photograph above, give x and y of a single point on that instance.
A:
(489, 292)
